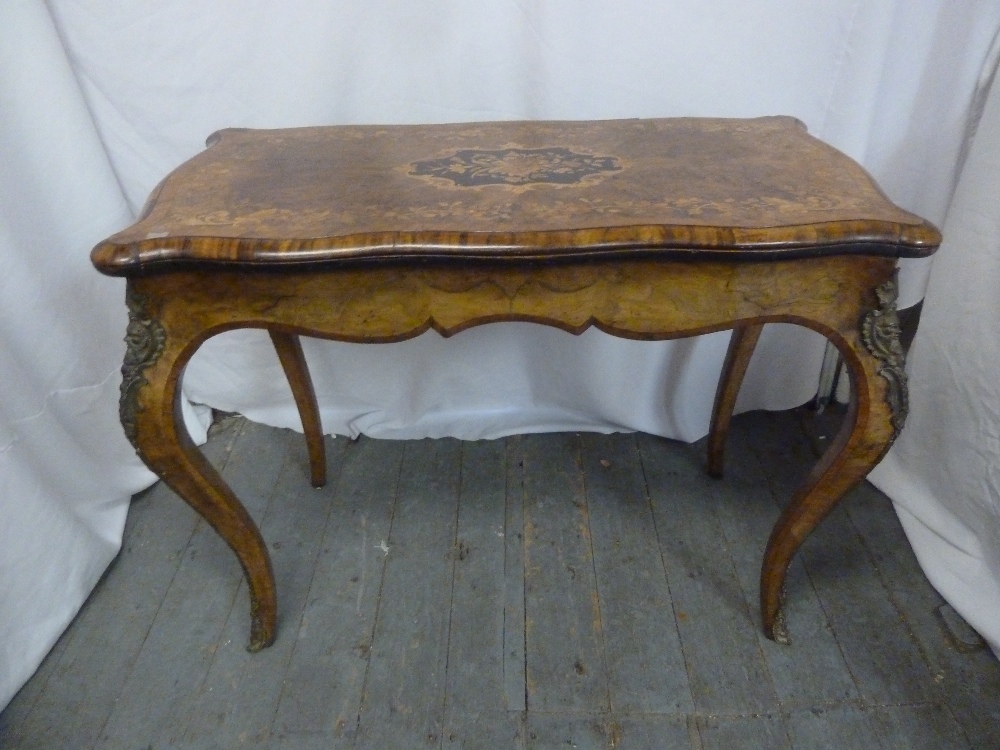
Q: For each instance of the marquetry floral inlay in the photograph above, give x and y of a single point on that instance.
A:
(516, 166)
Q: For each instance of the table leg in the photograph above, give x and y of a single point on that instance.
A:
(293, 362)
(875, 361)
(741, 347)
(151, 416)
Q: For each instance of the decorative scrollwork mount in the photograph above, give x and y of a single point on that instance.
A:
(880, 332)
(145, 339)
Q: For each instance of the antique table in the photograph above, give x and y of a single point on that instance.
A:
(647, 229)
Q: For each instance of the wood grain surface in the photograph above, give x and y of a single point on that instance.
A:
(513, 191)
(664, 228)
(175, 673)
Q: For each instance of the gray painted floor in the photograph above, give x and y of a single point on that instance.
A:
(543, 591)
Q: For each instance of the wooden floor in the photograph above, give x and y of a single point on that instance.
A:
(543, 591)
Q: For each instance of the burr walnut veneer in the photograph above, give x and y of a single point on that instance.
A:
(647, 229)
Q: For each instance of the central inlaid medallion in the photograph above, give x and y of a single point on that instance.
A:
(558, 165)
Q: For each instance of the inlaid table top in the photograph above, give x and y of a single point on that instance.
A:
(514, 190)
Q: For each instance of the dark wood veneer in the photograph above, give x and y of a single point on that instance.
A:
(646, 229)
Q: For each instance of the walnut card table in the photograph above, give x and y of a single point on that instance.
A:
(647, 229)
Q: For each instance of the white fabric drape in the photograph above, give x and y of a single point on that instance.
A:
(944, 471)
(64, 472)
(99, 100)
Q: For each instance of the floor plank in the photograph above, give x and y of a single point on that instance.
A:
(88, 670)
(961, 676)
(566, 669)
(160, 691)
(538, 591)
(515, 679)
(726, 669)
(748, 510)
(643, 650)
(18, 727)
(656, 732)
(484, 730)
(744, 732)
(325, 678)
(884, 659)
(924, 727)
(475, 695)
(844, 726)
(599, 732)
(403, 700)
(239, 696)
(582, 732)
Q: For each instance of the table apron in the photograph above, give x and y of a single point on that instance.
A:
(643, 299)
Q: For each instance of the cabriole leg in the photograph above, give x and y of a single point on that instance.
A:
(741, 347)
(293, 362)
(876, 414)
(151, 415)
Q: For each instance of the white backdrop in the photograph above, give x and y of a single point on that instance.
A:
(944, 471)
(98, 100)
